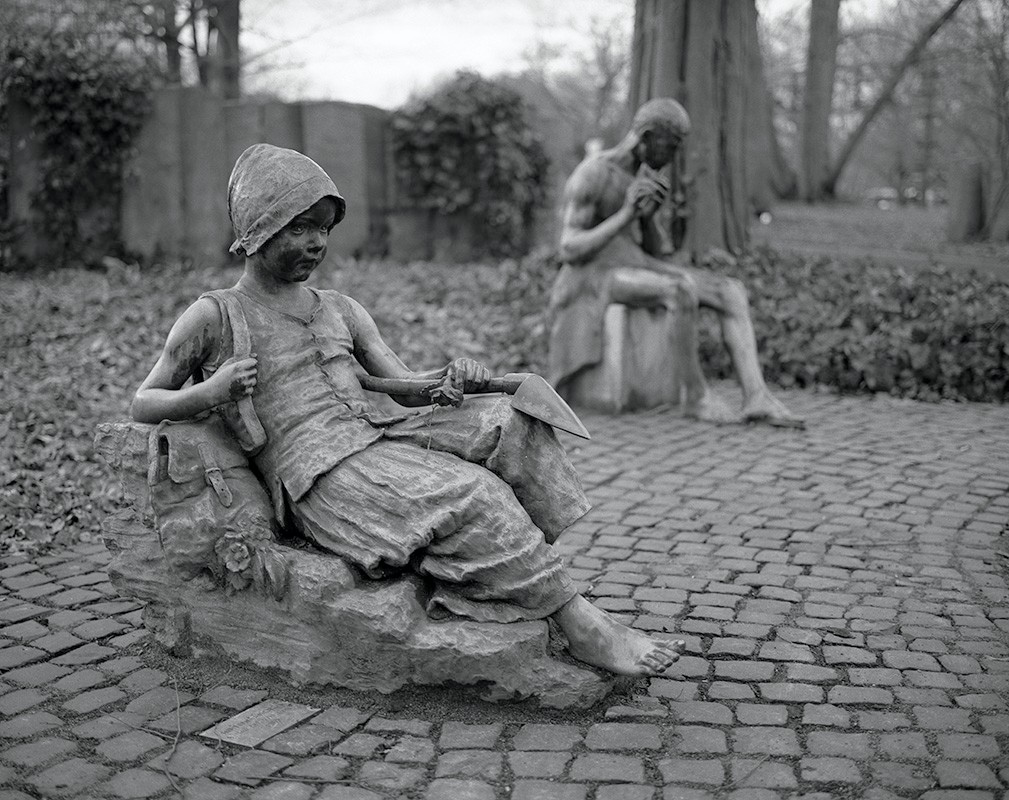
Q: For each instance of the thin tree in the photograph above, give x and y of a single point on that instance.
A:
(606, 65)
(227, 25)
(168, 34)
(993, 46)
(926, 165)
(821, 64)
(207, 30)
(769, 177)
(885, 95)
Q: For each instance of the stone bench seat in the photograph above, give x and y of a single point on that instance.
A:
(638, 369)
(330, 625)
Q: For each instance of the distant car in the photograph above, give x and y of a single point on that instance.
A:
(882, 196)
(886, 196)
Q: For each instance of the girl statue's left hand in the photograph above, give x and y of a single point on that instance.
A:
(468, 374)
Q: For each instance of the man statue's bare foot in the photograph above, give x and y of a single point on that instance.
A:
(765, 407)
(597, 639)
(709, 407)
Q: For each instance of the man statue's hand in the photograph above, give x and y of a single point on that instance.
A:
(645, 194)
(468, 375)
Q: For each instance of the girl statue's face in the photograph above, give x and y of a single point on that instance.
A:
(293, 254)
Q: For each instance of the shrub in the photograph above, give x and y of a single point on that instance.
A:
(863, 326)
(468, 147)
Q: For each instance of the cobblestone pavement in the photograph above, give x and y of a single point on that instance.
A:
(842, 592)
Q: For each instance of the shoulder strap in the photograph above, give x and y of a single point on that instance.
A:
(229, 305)
(248, 428)
(241, 338)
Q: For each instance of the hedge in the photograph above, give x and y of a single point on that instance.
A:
(863, 326)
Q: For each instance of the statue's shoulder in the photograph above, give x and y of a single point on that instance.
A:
(337, 301)
(343, 306)
(217, 307)
(205, 312)
(215, 301)
(594, 177)
(331, 296)
(592, 167)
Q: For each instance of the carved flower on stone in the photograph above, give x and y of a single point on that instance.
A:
(235, 581)
(233, 552)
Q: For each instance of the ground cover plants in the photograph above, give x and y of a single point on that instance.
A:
(857, 325)
(75, 344)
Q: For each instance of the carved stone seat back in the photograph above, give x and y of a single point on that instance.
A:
(313, 616)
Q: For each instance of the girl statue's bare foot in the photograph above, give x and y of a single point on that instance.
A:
(765, 407)
(597, 639)
(709, 407)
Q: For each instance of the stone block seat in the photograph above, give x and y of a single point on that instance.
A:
(328, 625)
(638, 369)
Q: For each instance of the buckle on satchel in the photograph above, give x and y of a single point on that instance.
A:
(214, 476)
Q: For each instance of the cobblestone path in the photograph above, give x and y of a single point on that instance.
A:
(842, 592)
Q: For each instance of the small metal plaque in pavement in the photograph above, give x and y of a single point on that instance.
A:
(257, 724)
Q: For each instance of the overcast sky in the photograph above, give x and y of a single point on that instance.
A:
(380, 51)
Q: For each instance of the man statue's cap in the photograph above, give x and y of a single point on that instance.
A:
(664, 112)
(269, 187)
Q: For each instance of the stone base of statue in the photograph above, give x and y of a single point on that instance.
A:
(327, 625)
(638, 369)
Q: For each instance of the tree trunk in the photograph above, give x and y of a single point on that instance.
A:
(821, 63)
(201, 54)
(995, 35)
(996, 227)
(930, 80)
(830, 184)
(173, 50)
(697, 51)
(768, 174)
(227, 23)
(965, 217)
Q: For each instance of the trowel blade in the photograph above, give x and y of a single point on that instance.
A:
(538, 399)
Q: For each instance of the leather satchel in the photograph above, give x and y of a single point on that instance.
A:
(203, 492)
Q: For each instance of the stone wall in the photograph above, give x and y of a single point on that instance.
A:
(175, 195)
(174, 201)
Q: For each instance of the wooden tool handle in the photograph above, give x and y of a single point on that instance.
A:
(401, 386)
(508, 384)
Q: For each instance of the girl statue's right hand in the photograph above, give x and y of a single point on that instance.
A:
(234, 379)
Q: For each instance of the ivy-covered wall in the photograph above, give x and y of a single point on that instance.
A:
(73, 114)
